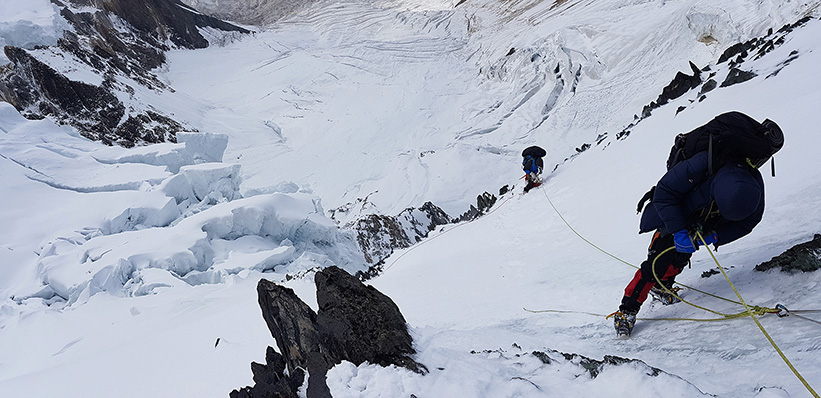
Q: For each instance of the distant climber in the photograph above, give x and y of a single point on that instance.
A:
(532, 164)
(712, 189)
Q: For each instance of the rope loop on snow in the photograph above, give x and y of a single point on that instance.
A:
(755, 309)
(760, 326)
(749, 311)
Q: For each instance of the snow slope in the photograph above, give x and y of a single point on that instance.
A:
(132, 272)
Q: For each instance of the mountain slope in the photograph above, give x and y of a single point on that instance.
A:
(416, 103)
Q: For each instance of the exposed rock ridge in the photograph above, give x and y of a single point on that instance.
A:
(119, 41)
(804, 257)
(355, 323)
(379, 235)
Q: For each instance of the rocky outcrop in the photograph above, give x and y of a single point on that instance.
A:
(734, 56)
(258, 12)
(379, 235)
(121, 42)
(354, 323)
(270, 379)
(164, 20)
(360, 324)
(483, 203)
(681, 84)
(804, 257)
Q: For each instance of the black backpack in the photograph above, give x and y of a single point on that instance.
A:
(533, 154)
(731, 136)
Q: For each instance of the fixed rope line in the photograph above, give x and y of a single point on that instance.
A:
(751, 312)
(757, 322)
(552, 311)
(580, 235)
(783, 311)
(617, 258)
(755, 310)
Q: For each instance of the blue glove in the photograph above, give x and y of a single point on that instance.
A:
(684, 243)
(709, 239)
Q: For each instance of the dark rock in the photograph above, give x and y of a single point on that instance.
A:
(37, 88)
(354, 323)
(472, 214)
(111, 49)
(483, 203)
(622, 134)
(681, 84)
(166, 20)
(737, 76)
(543, 357)
(293, 325)
(734, 50)
(360, 324)
(291, 322)
(594, 367)
(503, 190)
(270, 379)
(648, 109)
(804, 257)
(379, 235)
(708, 86)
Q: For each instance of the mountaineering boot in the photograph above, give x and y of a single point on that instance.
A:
(624, 323)
(664, 296)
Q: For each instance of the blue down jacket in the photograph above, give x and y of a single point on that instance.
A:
(686, 196)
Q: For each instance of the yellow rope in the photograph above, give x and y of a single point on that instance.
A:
(743, 314)
(751, 312)
(784, 357)
(757, 309)
(619, 259)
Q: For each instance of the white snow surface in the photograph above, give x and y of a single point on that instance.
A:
(132, 272)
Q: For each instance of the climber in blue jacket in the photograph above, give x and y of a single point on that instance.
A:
(722, 207)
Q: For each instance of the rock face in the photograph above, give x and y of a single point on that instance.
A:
(164, 20)
(120, 42)
(379, 235)
(271, 380)
(735, 57)
(360, 324)
(804, 257)
(251, 12)
(354, 323)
